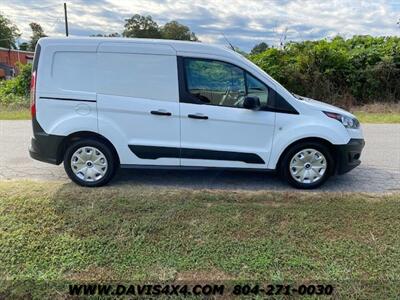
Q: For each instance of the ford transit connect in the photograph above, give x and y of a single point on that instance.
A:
(98, 104)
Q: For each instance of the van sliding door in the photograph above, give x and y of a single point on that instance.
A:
(138, 102)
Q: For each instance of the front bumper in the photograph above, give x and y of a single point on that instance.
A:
(348, 156)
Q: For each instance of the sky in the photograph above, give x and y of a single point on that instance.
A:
(244, 22)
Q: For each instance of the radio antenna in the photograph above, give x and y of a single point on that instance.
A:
(233, 48)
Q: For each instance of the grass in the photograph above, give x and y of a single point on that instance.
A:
(53, 232)
(15, 114)
(16, 111)
(378, 113)
(384, 118)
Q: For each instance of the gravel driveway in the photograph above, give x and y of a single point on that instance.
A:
(379, 171)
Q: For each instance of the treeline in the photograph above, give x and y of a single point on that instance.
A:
(139, 26)
(9, 33)
(354, 71)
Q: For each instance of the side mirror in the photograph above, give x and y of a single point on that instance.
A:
(251, 102)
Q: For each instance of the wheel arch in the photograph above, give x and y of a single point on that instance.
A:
(322, 141)
(76, 136)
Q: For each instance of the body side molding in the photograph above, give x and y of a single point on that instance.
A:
(153, 152)
(67, 99)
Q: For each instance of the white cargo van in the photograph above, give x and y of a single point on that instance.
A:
(103, 103)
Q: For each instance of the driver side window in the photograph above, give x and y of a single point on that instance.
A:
(255, 88)
(223, 84)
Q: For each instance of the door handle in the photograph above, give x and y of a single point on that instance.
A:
(160, 113)
(197, 116)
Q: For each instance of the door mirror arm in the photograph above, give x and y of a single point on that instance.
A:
(251, 103)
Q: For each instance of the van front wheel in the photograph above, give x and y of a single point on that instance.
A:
(307, 165)
(89, 162)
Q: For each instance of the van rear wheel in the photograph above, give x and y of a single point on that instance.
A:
(307, 165)
(89, 162)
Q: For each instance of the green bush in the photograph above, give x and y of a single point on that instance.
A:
(359, 70)
(16, 90)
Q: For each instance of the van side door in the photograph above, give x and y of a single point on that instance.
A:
(138, 102)
(216, 128)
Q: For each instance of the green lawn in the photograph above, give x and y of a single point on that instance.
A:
(364, 117)
(368, 117)
(14, 114)
(53, 232)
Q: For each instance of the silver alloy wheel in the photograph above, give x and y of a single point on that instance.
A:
(89, 164)
(308, 166)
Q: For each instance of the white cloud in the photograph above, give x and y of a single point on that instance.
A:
(244, 22)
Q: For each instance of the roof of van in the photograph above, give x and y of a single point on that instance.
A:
(178, 46)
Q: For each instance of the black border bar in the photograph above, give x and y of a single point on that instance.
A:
(154, 152)
(67, 99)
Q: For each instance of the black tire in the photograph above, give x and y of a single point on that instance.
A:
(105, 150)
(285, 164)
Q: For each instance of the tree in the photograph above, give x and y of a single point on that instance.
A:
(37, 33)
(240, 51)
(17, 86)
(141, 27)
(175, 31)
(115, 34)
(145, 27)
(24, 46)
(259, 48)
(8, 33)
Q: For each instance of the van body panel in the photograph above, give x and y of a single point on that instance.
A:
(67, 71)
(64, 117)
(65, 89)
(131, 88)
(356, 133)
(128, 121)
(227, 129)
(136, 75)
(137, 48)
(291, 128)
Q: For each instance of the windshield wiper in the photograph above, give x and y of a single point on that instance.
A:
(298, 96)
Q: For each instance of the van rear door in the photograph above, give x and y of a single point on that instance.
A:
(138, 102)
(65, 99)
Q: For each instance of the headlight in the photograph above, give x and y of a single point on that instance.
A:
(347, 122)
